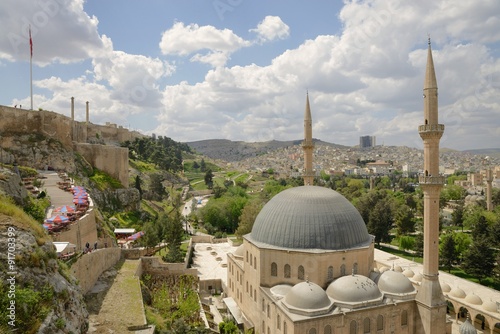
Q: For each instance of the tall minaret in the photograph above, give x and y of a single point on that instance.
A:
(430, 300)
(489, 180)
(308, 146)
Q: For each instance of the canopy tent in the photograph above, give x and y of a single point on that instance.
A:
(136, 236)
(65, 209)
(57, 219)
(64, 247)
(124, 230)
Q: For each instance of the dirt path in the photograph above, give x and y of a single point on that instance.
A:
(115, 302)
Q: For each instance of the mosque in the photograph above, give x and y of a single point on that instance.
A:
(308, 264)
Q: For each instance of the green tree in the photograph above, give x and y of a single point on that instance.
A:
(419, 244)
(480, 230)
(479, 260)
(228, 327)
(462, 244)
(209, 178)
(195, 165)
(380, 221)
(457, 216)
(447, 251)
(406, 242)
(137, 185)
(404, 219)
(248, 215)
(203, 165)
(156, 185)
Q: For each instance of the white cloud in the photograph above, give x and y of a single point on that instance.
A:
(271, 28)
(61, 31)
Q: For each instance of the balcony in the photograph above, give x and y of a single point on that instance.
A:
(431, 128)
(431, 179)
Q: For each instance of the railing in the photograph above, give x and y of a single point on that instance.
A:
(431, 127)
(431, 179)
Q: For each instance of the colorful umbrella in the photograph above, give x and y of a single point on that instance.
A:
(65, 209)
(57, 219)
(136, 236)
(80, 201)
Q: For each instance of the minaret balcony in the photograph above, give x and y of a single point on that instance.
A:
(431, 179)
(431, 128)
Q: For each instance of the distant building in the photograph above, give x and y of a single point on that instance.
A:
(366, 141)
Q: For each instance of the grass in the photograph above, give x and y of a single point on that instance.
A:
(401, 253)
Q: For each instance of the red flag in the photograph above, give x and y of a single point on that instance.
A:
(31, 45)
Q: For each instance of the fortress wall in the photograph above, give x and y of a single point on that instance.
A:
(82, 231)
(111, 133)
(90, 266)
(110, 159)
(14, 120)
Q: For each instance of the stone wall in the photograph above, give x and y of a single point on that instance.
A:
(72, 135)
(111, 159)
(90, 266)
(82, 231)
(155, 266)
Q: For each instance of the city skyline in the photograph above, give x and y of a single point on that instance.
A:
(238, 70)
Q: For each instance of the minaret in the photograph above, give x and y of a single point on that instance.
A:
(430, 300)
(308, 146)
(489, 180)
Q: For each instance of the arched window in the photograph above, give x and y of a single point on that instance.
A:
(342, 270)
(404, 318)
(380, 323)
(247, 286)
(287, 271)
(268, 311)
(284, 328)
(263, 305)
(274, 269)
(301, 272)
(353, 327)
(278, 321)
(328, 329)
(255, 262)
(254, 295)
(330, 274)
(355, 268)
(251, 259)
(312, 331)
(366, 325)
(247, 256)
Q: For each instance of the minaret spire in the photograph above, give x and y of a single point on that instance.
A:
(430, 300)
(307, 145)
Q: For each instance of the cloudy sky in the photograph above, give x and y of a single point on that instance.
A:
(240, 69)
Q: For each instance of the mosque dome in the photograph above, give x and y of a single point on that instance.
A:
(408, 273)
(307, 295)
(490, 306)
(353, 289)
(398, 268)
(445, 287)
(310, 217)
(280, 290)
(473, 299)
(417, 277)
(467, 327)
(239, 251)
(457, 293)
(393, 282)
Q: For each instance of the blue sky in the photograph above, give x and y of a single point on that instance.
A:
(240, 69)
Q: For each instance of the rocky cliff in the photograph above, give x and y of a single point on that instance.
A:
(37, 293)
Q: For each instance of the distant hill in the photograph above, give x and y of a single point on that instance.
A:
(492, 152)
(229, 150)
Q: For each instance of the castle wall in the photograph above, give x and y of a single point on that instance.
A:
(110, 159)
(90, 266)
(82, 231)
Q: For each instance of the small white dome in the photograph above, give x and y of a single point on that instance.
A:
(394, 282)
(467, 328)
(457, 292)
(398, 269)
(473, 299)
(417, 278)
(408, 273)
(490, 306)
(445, 287)
(239, 251)
(353, 288)
(307, 295)
(384, 269)
(280, 290)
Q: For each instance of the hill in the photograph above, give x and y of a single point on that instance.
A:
(224, 149)
(492, 152)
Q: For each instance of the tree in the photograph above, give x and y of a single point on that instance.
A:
(479, 260)
(156, 185)
(406, 242)
(228, 327)
(247, 218)
(138, 182)
(457, 216)
(480, 230)
(203, 165)
(209, 178)
(380, 221)
(419, 244)
(404, 220)
(195, 165)
(447, 251)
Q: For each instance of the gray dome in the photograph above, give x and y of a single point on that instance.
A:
(307, 295)
(467, 327)
(394, 282)
(353, 289)
(310, 217)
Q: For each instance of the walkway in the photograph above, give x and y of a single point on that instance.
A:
(58, 197)
(121, 310)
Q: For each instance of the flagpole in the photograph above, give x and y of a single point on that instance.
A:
(31, 70)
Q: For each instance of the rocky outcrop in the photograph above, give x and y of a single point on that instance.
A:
(117, 200)
(47, 299)
(10, 185)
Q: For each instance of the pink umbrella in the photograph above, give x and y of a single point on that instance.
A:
(136, 236)
(57, 219)
(65, 209)
(80, 201)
